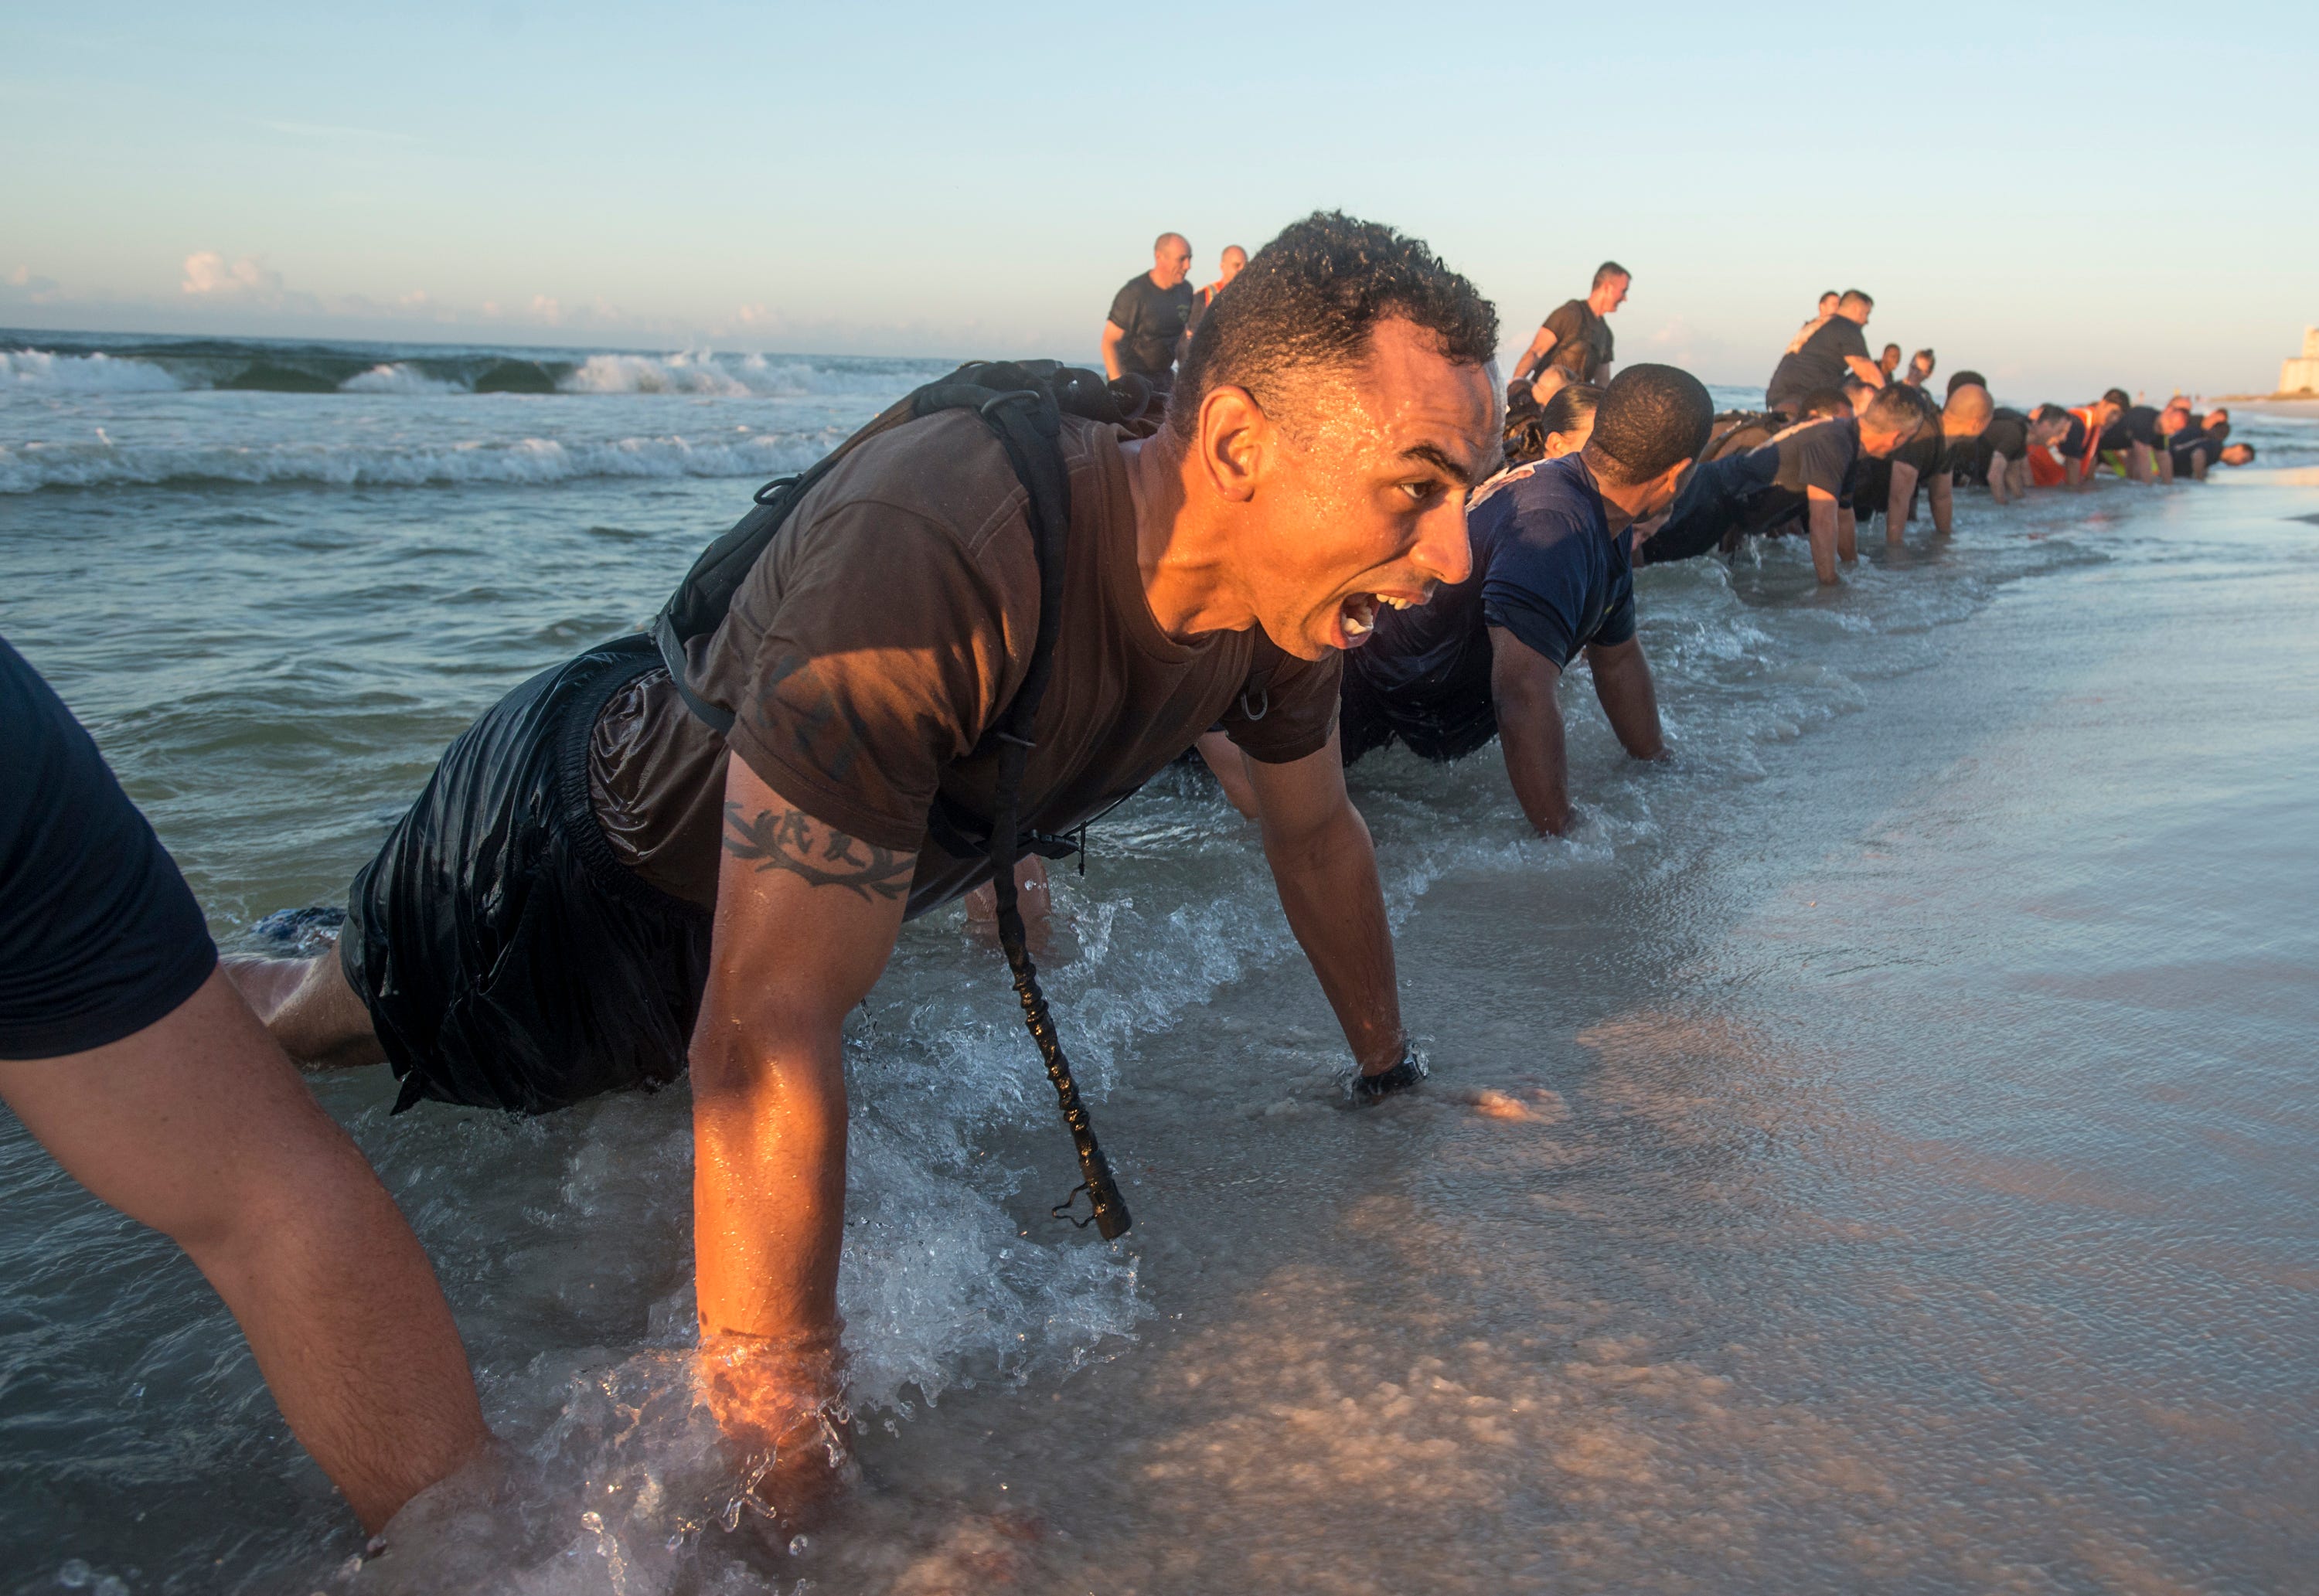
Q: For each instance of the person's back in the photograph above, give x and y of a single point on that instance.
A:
(928, 504)
(1763, 491)
(1836, 349)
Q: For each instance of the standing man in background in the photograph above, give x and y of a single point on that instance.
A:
(1228, 266)
(1575, 337)
(1827, 303)
(1822, 359)
(1150, 315)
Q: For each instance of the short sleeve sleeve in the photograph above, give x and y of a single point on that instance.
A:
(1825, 459)
(1618, 616)
(1298, 700)
(1537, 595)
(879, 661)
(1851, 343)
(1124, 304)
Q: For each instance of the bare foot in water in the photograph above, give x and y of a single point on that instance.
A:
(308, 1008)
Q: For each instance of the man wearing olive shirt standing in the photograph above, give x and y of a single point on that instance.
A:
(1576, 336)
(1149, 314)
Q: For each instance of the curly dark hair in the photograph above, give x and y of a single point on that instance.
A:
(1651, 418)
(1311, 299)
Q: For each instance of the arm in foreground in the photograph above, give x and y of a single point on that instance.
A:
(1324, 867)
(1525, 686)
(1230, 768)
(1540, 347)
(1898, 498)
(806, 920)
(1866, 370)
(199, 1126)
(1630, 700)
(1940, 492)
(1819, 518)
(1115, 338)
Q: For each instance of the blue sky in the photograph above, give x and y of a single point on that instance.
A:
(2062, 199)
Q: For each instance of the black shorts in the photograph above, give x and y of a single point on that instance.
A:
(99, 935)
(1367, 720)
(508, 959)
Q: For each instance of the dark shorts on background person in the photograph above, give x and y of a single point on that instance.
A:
(99, 935)
(508, 959)
(1367, 722)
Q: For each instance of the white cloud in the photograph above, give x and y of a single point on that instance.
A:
(207, 275)
(25, 287)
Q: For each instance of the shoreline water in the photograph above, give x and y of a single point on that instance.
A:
(1715, 1055)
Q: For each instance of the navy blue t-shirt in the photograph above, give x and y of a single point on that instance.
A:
(1546, 568)
(1761, 491)
(99, 935)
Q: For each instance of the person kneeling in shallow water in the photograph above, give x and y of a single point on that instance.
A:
(132, 1060)
(594, 876)
(1551, 578)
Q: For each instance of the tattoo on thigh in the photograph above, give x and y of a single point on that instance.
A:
(821, 855)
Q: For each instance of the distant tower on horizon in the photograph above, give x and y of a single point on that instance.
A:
(2302, 376)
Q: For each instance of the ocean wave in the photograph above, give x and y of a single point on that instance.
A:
(40, 371)
(29, 467)
(396, 377)
(648, 374)
(414, 371)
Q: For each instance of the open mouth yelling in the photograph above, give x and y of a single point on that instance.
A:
(1357, 617)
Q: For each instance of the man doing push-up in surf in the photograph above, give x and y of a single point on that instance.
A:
(597, 889)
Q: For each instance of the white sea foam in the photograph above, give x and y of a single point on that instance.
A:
(28, 467)
(646, 374)
(397, 377)
(37, 372)
(731, 377)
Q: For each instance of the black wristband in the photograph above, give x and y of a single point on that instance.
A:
(1373, 1088)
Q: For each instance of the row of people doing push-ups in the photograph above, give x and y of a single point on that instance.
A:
(1842, 439)
(984, 619)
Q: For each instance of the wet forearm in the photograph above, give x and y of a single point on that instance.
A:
(1328, 882)
(1629, 699)
(1898, 498)
(1529, 732)
(768, 1179)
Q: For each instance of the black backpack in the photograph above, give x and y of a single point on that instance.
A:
(1023, 402)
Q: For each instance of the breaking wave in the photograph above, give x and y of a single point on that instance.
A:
(42, 371)
(66, 369)
(29, 467)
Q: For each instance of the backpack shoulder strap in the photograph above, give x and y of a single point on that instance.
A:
(701, 601)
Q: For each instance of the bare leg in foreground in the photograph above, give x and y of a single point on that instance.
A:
(199, 1127)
